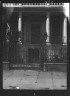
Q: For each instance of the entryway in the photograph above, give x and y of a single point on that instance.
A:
(33, 55)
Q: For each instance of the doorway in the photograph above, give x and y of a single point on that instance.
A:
(35, 33)
(33, 55)
(56, 30)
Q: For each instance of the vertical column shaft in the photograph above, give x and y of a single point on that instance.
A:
(20, 27)
(48, 28)
(20, 22)
(65, 31)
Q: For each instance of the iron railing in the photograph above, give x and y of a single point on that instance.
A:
(56, 53)
(53, 54)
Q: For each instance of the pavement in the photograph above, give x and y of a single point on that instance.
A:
(34, 80)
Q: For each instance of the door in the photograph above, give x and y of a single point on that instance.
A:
(33, 55)
(35, 33)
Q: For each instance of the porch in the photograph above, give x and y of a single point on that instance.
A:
(24, 48)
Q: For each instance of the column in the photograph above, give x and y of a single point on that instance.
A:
(20, 27)
(48, 28)
(19, 22)
(65, 31)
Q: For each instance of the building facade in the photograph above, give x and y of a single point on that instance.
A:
(28, 23)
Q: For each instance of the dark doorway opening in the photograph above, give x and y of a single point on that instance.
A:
(33, 55)
(56, 30)
(35, 33)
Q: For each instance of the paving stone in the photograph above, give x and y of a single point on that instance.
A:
(27, 86)
(45, 75)
(44, 85)
(11, 82)
(28, 82)
(34, 80)
(60, 83)
(18, 74)
(31, 73)
(59, 75)
(45, 80)
(7, 74)
(59, 79)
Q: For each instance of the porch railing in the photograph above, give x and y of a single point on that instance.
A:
(56, 53)
(52, 53)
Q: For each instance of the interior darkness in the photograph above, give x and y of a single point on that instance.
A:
(33, 55)
(14, 37)
(35, 33)
(56, 30)
(14, 26)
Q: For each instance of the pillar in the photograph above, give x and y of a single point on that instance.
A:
(19, 22)
(65, 31)
(48, 28)
(20, 26)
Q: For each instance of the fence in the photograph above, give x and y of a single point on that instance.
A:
(56, 53)
(53, 54)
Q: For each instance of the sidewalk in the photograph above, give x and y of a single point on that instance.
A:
(20, 79)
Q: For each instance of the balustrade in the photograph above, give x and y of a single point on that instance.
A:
(31, 4)
(56, 53)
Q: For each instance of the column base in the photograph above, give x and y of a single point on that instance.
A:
(64, 44)
(48, 43)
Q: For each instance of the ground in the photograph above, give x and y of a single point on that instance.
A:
(34, 79)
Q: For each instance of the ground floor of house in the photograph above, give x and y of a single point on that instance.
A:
(26, 45)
